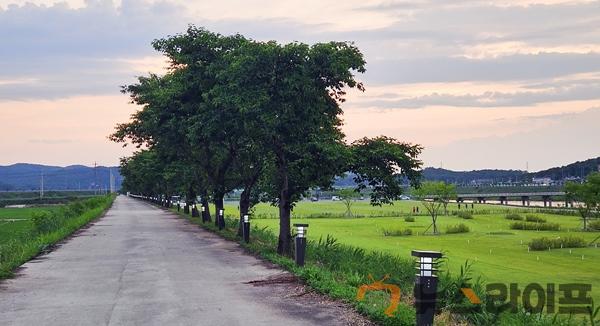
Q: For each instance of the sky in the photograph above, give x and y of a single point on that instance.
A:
(480, 84)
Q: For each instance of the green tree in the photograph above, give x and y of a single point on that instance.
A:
(382, 164)
(291, 94)
(263, 117)
(348, 196)
(446, 194)
(586, 197)
(431, 195)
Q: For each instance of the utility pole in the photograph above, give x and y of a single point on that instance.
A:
(95, 179)
(42, 185)
(112, 181)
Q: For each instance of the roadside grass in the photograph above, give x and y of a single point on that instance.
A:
(337, 269)
(24, 239)
(498, 253)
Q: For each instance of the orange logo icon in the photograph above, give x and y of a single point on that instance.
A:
(379, 286)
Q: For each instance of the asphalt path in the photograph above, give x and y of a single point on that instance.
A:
(142, 265)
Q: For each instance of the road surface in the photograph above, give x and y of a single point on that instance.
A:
(141, 265)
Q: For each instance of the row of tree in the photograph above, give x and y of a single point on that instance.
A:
(265, 118)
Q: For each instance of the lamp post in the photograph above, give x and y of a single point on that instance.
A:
(203, 209)
(194, 211)
(221, 219)
(426, 286)
(178, 206)
(246, 228)
(301, 230)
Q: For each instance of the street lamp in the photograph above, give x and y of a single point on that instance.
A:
(194, 211)
(221, 219)
(246, 228)
(301, 230)
(426, 286)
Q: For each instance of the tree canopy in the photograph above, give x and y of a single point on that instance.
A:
(586, 196)
(263, 117)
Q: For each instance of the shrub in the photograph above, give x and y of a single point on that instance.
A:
(594, 225)
(409, 219)
(514, 217)
(535, 226)
(458, 228)
(45, 221)
(533, 218)
(397, 233)
(465, 215)
(567, 242)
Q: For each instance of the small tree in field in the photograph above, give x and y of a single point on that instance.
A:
(431, 195)
(447, 192)
(586, 196)
(348, 196)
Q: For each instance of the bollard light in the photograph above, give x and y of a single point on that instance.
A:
(178, 206)
(221, 219)
(246, 228)
(195, 211)
(203, 209)
(301, 230)
(426, 286)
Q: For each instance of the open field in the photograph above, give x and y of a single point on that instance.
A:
(16, 222)
(499, 253)
(24, 232)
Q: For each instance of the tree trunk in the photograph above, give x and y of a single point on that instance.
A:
(244, 207)
(206, 213)
(284, 245)
(218, 200)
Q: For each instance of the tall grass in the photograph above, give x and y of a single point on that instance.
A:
(49, 228)
(337, 270)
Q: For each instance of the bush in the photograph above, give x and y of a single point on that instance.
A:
(397, 233)
(409, 219)
(567, 242)
(535, 226)
(45, 221)
(458, 228)
(533, 218)
(465, 215)
(594, 225)
(514, 217)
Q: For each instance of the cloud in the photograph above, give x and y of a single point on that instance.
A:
(571, 138)
(49, 141)
(88, 50)
(525, 95)
(67, 52)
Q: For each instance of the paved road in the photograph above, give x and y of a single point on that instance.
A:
(140, 265)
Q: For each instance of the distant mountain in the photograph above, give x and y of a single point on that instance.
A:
(575, 170)
(578, 169)
(24, 177)
(478, 176)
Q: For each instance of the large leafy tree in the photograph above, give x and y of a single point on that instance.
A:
(586, 196)
(245, 113)
(183, 120)
(289, 97)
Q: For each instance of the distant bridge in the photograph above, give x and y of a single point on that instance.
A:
(525, 197)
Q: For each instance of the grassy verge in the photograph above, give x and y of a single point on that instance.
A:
(45, 228)
(337, 270)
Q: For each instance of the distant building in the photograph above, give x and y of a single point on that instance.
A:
(542, 181)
